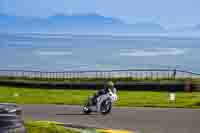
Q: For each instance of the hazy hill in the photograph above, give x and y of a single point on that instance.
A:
(79, 23)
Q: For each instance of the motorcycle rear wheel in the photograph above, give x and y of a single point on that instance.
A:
(106, 107)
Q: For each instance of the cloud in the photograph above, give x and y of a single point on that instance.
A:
(167, 12)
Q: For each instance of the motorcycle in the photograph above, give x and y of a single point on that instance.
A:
(103, 104)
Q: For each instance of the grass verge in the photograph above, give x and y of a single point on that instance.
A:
(46, 127)
(78, 97)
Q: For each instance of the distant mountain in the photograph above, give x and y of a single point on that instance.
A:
(190, 28)
(147, 27)
(196, 27)
(78, 23)
(193, 30)
(84, 19)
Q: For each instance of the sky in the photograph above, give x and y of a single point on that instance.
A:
(168, 13)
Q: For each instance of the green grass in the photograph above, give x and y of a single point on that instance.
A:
(78, 97)
(43, 96)
(46, 127)
(159, 99)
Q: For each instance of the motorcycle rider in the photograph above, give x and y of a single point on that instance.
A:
(109, 88)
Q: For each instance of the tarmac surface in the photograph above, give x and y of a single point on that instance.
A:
(143, 120)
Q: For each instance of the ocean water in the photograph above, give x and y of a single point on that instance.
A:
(60, 52)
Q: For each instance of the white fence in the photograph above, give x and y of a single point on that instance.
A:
(131, 73)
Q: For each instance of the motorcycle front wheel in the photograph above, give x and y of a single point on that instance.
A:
(86, 110)
(106, 107)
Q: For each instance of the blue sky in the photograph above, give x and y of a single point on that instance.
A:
(169, 13)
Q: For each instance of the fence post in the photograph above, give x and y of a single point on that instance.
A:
(151, 75)
(157, 75)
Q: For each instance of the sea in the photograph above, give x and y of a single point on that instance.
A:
(63, 52)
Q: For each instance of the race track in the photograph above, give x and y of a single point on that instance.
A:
(144, 120)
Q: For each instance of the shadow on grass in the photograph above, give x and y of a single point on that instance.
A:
(196, 104)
